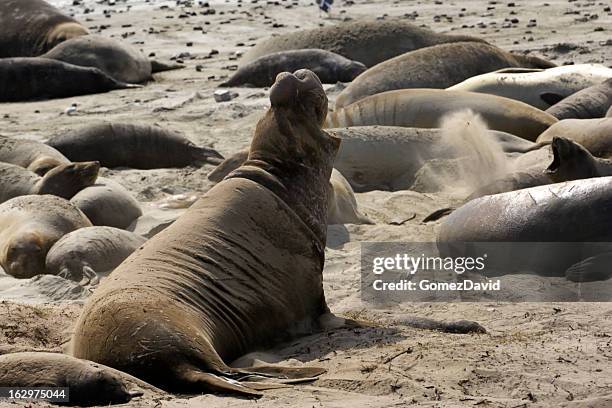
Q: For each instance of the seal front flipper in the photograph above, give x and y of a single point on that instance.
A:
(551, 98)
(595, 268)
(283, 373)
(207, 382)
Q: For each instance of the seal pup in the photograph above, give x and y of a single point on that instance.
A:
(142, 147)
(118, 59)
(329, 67)
(226, 277)
(107, 203)
(369, 42)
(83, 254)
(25, 79)
(29, 28)
(34, 156)
(538, 88)
(439, 66)
(589, 103)
(29, 226)
(424, 108)
(343, 208)
(63, 181)
(593, 134)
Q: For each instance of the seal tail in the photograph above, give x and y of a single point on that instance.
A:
(157, 66)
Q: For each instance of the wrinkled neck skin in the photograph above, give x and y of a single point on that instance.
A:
(292, 156)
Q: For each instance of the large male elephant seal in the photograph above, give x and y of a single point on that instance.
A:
(369, 42)
(593, 134)
(63, 181)
(439, 66)
(132, 145)
(425, 108)
(227, 277)
(25, 79)
(539, 88)
(590, 103)
(329, 67)
(32, 155)
(569, 215)
(29, 226)
(29, 28)
(119, 60)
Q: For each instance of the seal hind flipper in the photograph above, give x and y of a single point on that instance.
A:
(284, 373)
(207, 155)
(157, 66)
(208, 382)
(438, 214)
(595, 268)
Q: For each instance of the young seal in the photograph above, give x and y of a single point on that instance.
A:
(342, 203)
(107, 203)
(329, 67)
(425, 107)
(83, 254)
(118, 59)
(439, 66)
(29, 226)
(590, 103)
(369, 42)
(142, 147)
(89, 383)
(593, 134)
(542, 88)
(34, 156)
(227, 277)
(29, 28)
(63, 181)
(25, 79)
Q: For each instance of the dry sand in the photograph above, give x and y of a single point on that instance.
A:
(535, 354)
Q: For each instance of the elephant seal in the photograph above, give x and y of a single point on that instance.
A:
(29, 226)
(107, 203)
(83, 254)
(119, 60)
(369, 42)
(142, 147)
(25, 79)
(226, 277)
(63, 181)
(590, 103)
(342, 203)
(34, 156)
(29, 28)
(424, 108)
(593, 134)
(439, 66)
(89, 383)
(565, 217)
(541, 89)
(609, 113)
(329, 67)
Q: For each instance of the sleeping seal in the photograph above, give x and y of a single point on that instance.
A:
(29, 28)
(227, 277)
(34, 156)
(593, 134)
(590, 103)
(439, 67)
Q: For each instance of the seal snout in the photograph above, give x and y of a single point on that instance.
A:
(288, 86)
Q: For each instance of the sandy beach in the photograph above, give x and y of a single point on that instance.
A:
(533, 354)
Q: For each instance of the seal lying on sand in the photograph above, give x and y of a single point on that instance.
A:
(595, 135)
(227, 277)
(29, 226)
(24, 79)
(329, 67)
(568, 214)
(34, 156)
(590, 103)
(369, 42)
(29, 28)
(119, 60)
(425, 108)
(439, 67)
(342, 203)
(538, 88)
(142, 147)
(63, 181)
(83, 254)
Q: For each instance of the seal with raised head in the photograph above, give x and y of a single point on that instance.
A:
(439, 66)
(32, 155)
(329, 67)
(24, 79)
(369, 42)
(29, 226)
(424, 108)
(29, 28)
(227, 278)
(63, 181)
(595, 135)
(589, 103)
(142, 146)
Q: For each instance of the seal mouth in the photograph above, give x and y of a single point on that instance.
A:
(556, 146)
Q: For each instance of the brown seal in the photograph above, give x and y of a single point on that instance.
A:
(35, 156)
(227, 277)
